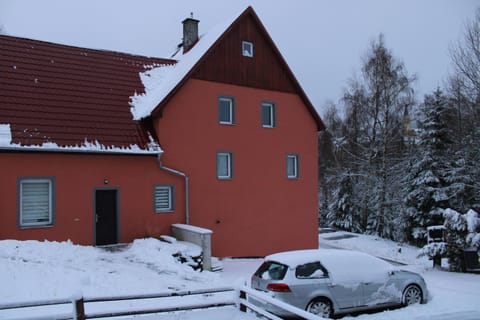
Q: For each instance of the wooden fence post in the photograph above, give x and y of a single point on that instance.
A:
(79, 309)
(243, 295)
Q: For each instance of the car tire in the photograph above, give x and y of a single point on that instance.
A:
(412, 295)
(321, 307)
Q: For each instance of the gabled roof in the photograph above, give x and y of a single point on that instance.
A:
(55, 97)
(170, 80)
(61, 98)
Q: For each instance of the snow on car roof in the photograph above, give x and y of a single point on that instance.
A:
(343, 265)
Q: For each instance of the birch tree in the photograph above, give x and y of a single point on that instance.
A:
(380, 96)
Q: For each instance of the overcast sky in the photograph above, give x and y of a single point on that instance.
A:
(322, 41)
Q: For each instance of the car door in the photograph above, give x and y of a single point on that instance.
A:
(309, 281)
(347, 294)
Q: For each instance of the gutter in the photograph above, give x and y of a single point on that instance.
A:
(181, 174)
(82, 151)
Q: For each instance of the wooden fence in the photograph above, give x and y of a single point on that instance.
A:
(246, 300)
(254, 300)
(79, 310)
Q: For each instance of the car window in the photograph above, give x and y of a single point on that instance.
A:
(270, 270)
(311, 270)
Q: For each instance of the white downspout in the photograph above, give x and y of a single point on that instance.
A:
(181, 174)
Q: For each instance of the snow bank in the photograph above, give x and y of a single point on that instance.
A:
(375, 246)
(59, 270)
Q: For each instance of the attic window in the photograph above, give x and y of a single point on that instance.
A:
(247, 49)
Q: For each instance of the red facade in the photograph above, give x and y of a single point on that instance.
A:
(258, 209)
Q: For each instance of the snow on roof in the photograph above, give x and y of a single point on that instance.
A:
(70, 99)
(5, 135)
(160, 81)
(87, 146)
(344, 266)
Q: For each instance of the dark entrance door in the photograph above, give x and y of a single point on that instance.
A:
(105, 217)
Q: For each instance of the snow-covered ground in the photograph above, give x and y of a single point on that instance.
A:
(32, 271)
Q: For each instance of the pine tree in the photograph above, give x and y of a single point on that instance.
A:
(342, 211)
(426, 194)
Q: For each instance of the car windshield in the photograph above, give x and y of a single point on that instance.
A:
(271, 270)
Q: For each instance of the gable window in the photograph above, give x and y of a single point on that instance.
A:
(36, 207)
(224, 165)
(226, 110)
(163, 198)
(268, 115)
(247, 49)
(292, 166)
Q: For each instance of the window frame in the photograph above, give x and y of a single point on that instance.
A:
(267, 271)
(51, 202)
(314, 274)
(272, 114)
(296, 167)
(229, 174)
(171, 198)
(231, 119)
(248, 49)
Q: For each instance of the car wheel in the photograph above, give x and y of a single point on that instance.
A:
(321, 307)
(412, 295)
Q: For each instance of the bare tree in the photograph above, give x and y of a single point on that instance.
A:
(465, 55)
(464, 92)
(377, 102)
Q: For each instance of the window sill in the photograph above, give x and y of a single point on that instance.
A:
(36, 227)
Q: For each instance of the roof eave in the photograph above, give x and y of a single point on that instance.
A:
(84, 151)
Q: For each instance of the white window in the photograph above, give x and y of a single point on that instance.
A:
(292, 166)
(268, 115)
(36, 202)
(224, 165)
(247, 49)
(226, 110)
(163, 198)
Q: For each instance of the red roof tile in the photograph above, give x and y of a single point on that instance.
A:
(68, 95)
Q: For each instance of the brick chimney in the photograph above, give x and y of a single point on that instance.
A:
(190, 33)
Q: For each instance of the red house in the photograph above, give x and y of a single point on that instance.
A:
(104, 147)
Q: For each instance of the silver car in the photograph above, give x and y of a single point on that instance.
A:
(329, 282)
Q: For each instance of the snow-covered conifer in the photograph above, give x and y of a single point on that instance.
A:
(457, 230)
(427, 193)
